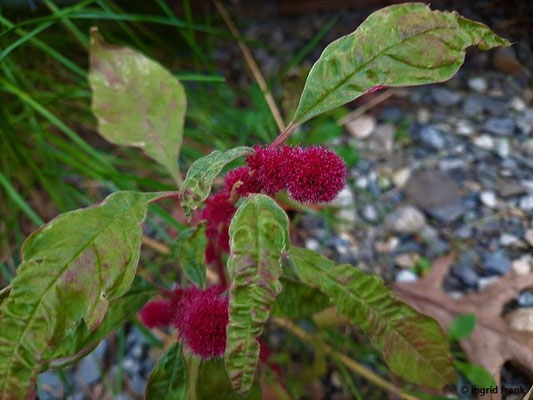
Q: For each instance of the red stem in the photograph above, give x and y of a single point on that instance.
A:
(285, 134)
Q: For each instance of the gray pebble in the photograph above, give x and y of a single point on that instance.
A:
(499, 126)
(496, 263)
(406, 276)
(525, 299)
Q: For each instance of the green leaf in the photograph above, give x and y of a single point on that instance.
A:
(190, 251)
(401, 45)
(82, 340)
(412, 344)
(299, 300)
(137, 102)
(476, 374)
(72, 268)
(169, 379)
(462, 327)
(259, 232)
(203, 172)
(213, 383)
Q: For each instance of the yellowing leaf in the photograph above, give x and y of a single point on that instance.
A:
(413, 344)
(259, 232)
(401, 45)
(203, 172)
(72, 268)
(137, 102)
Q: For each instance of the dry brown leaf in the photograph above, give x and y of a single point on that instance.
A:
(493, 342)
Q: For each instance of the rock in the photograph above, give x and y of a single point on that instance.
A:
(464, 232)
(451, 163)
(386, 246)
(423, 115)
(369, 213)
(464, 127)
(131, 366)
(392, 114)
(502, 148)
(507, 239)
(138, 385)
(496, 263)
(445, 97)
(406, 276)
(383, 138)
(407, 260)
(489, 198)
(525, 299)
(465, 271)
(137, 351)
(526, 203)
(401, 177)
(361, 127)
(431, 137)
(485, 282)
(406, 220)
(510, 189)
(518, 104)
(504, 59)
(484, 142)
(528, 235)
(312, 244)
(49, 380)
(346, 217)
(88, 371)
(525, 122)
(527, 147)
(499, 126)
(435, 193)
(522, 265)
(473, 106)
(520, 320)
(478, 84)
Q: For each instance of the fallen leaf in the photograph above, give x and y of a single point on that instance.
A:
(493, 341)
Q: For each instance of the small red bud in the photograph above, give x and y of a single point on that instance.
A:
(318, 176)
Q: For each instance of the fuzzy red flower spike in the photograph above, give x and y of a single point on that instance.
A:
(318, 176)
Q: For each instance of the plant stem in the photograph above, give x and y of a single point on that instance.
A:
(162, 248)
(5, 290)
(249, 58)
(352, 365)
(284, 135)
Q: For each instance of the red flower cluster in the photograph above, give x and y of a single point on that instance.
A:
(218, 212)
(201, 317)
(312, 174)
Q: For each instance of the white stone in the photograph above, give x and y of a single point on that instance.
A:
(406, 276)
(386, 246)
(478, 84)
(483, 283)
(464, 127)
(361, 127)
(312, 244)
(529, 236)
(406, 219)
(507, 239)
(489, 199)
(407, 260)
(423, 115)
(484, 142)
(502, 148)
(526, 203)
(344, 198)
(518, 104)
(401, 177)
(522, 265)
